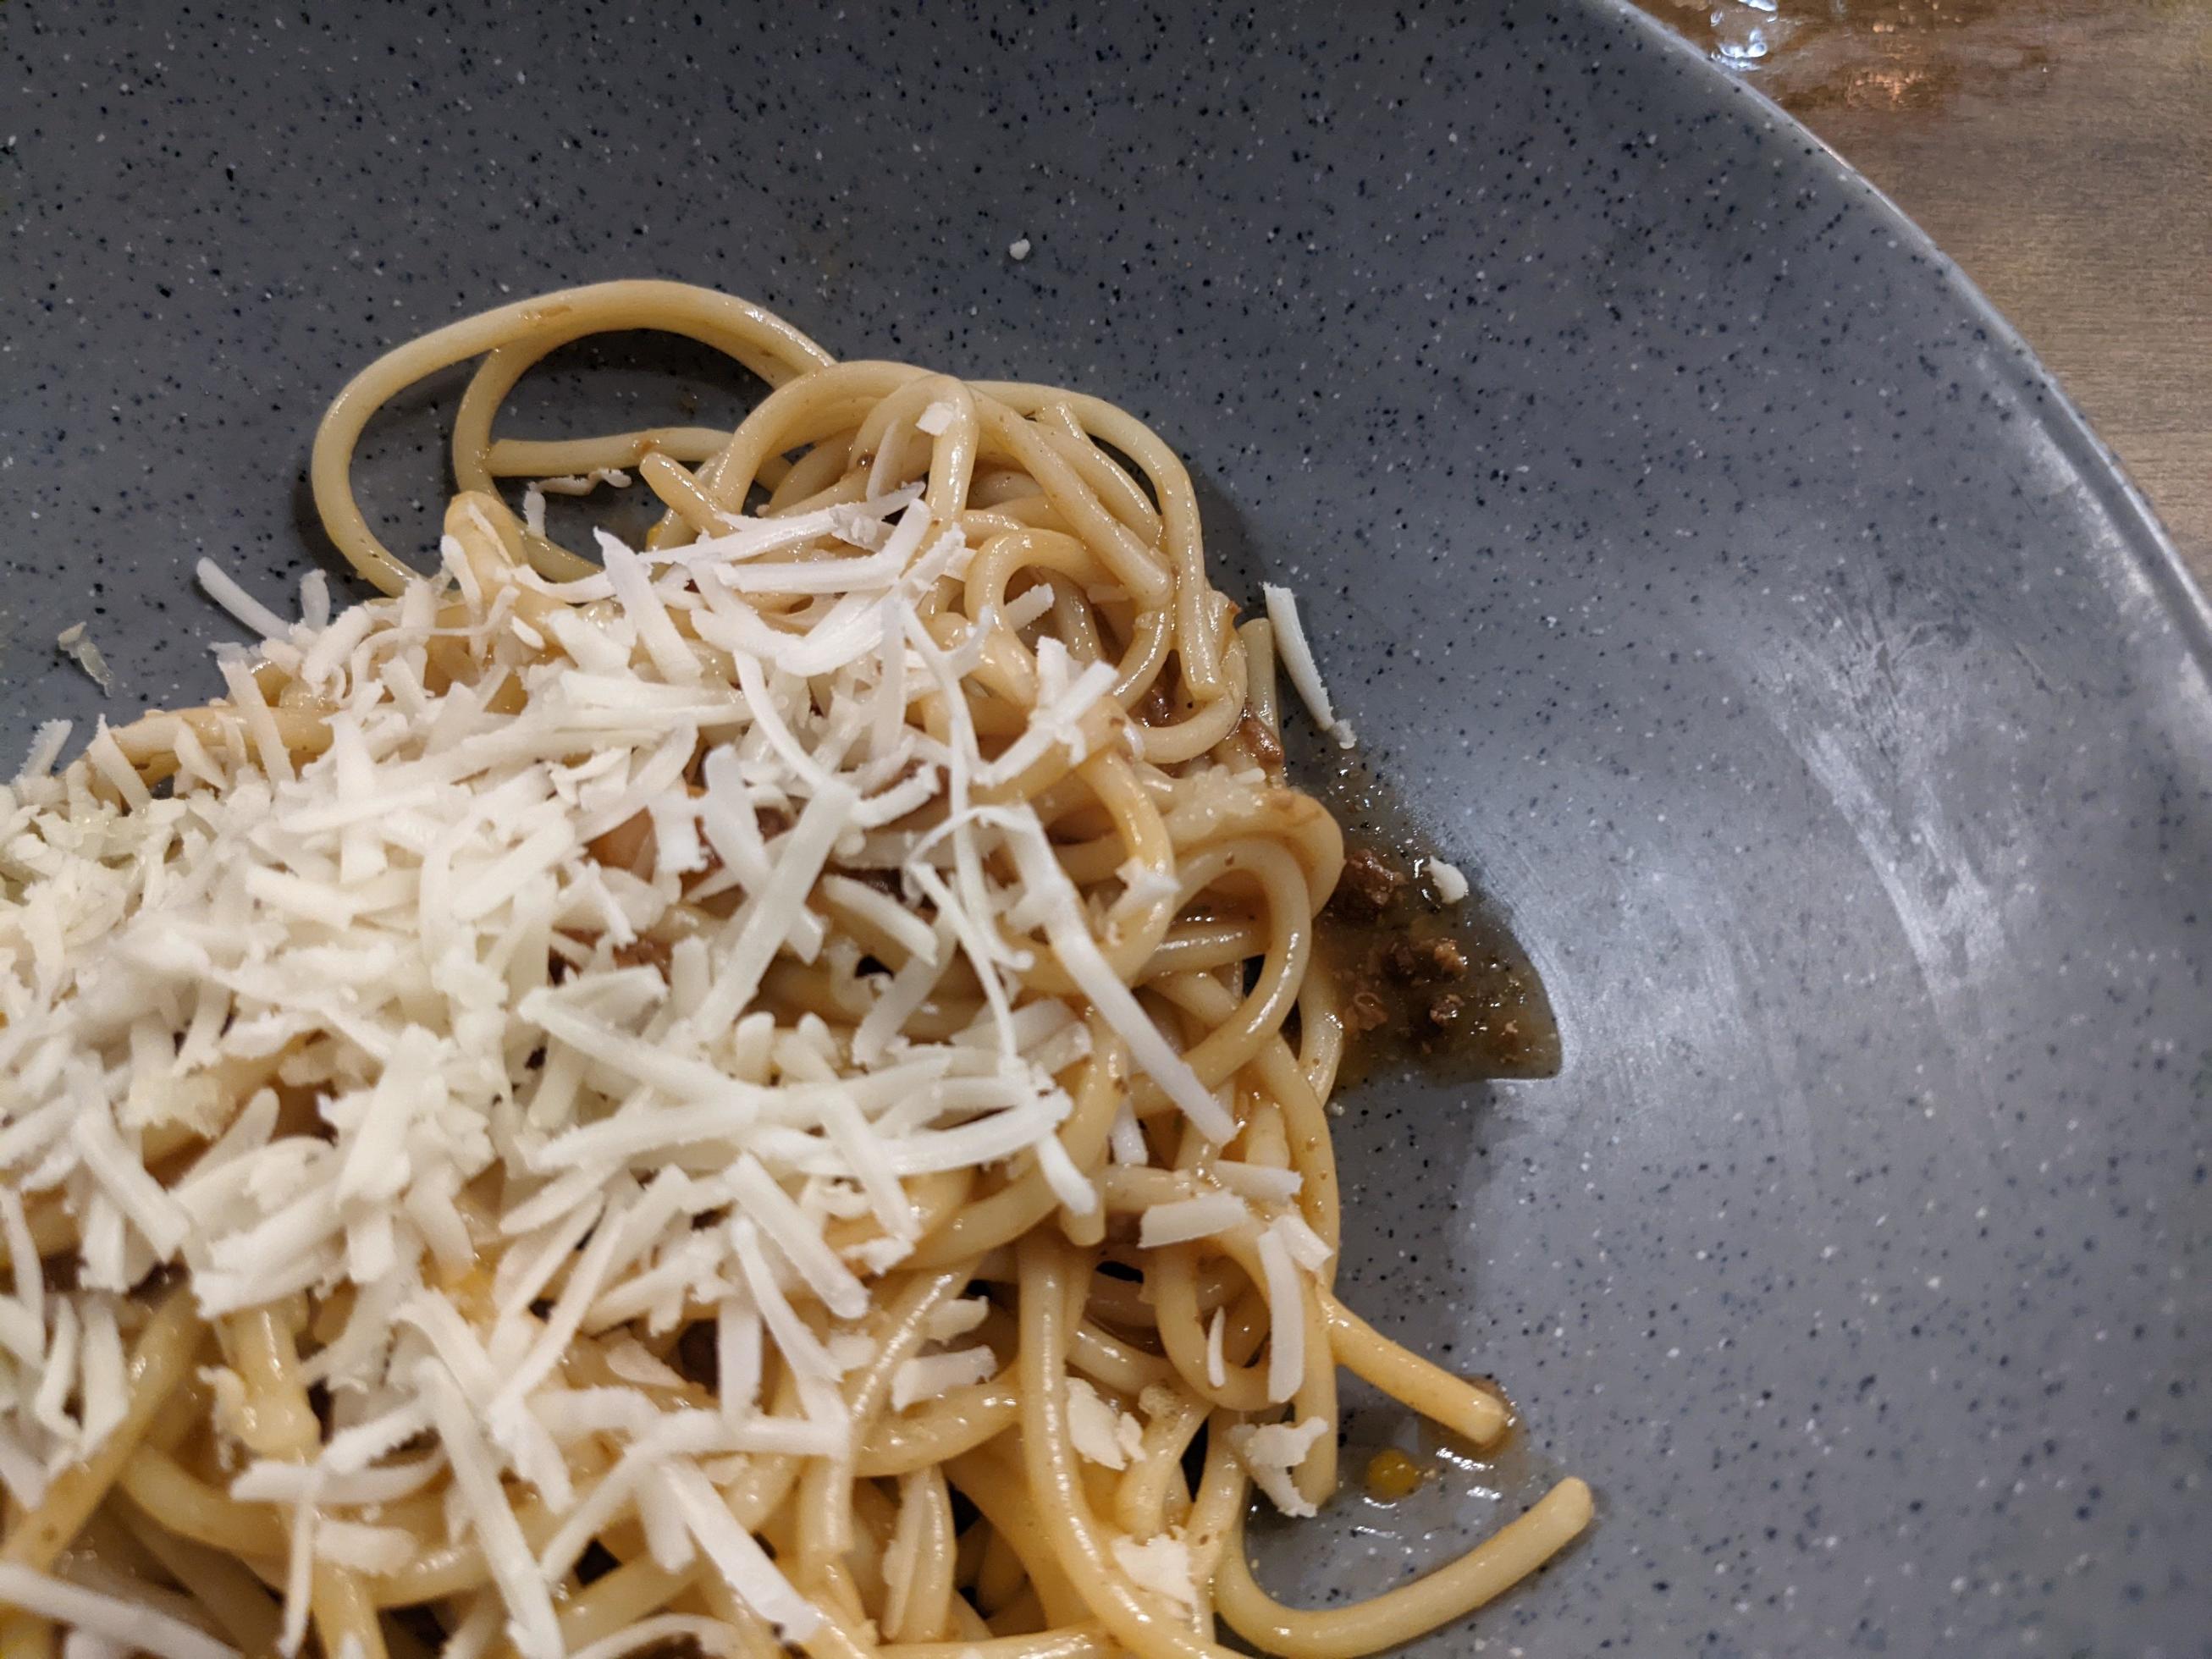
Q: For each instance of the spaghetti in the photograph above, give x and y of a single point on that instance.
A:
(767, 1088)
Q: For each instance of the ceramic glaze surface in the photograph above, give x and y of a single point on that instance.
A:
(1719, 582)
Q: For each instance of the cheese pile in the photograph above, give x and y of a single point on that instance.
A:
(479, 981)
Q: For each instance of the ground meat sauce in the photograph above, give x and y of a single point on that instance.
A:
(647, 951)
(1443, 988)
(1260, 738)
(1369, 885)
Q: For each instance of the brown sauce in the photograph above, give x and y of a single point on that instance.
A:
(1445, 990)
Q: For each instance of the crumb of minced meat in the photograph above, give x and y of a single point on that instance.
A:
(1425, 961)
(1369, 883)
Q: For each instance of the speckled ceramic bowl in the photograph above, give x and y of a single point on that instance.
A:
(1717, 576)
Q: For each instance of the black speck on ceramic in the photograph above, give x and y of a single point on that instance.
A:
(1718, 578)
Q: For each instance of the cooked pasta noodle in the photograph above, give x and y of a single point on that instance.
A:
(767, 1088)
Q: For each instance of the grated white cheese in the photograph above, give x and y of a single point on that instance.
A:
(21, 1473)
(531, 1625)
(132, 1626)
(224, 589)
(1160, 1564)
(1069, 935)
(1181, 1220)
(354, 1448)
(1076, 1191)
(737, 1356)
(265, 1482)
(23, 1258)
(103, 1390)
(1056, 722)
(77, 645)
(882, 911)
(300, 1573)
(1300, 1242)
(633, 1362)
(59, 1378)
(1126, 1141)
(1286, 1317)
(47, 745)
(1257, 1182)
(956, 1317)
(801, 1348)
(745, 1566)
(658, 1437)
(1270, 1452)
(1098, 1429)
(1297, 658)
(926, 1376)
(583, 484)
(802, 1245)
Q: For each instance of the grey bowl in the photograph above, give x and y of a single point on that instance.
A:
(1713, 572)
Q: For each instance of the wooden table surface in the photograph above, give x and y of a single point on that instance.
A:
(2061, 151)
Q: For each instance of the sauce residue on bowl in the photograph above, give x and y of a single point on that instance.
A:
(1445, 989)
